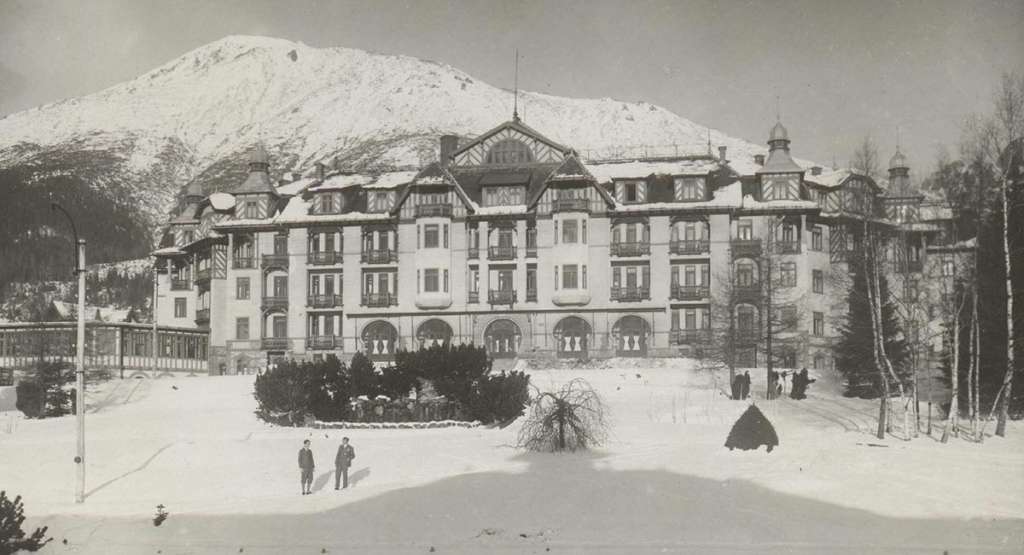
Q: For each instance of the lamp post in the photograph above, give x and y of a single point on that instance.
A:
(79, 358)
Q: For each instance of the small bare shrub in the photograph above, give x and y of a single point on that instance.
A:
(574, 417)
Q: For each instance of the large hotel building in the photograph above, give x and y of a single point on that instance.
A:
(513, 241)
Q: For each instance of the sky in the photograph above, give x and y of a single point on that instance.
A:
(834, 71)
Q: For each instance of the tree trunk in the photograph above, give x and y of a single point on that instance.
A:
(951, 418)
(561, 427)
(876, 330)
(1004, 408)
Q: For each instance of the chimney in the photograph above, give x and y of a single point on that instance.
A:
(721, 154)
(815, 170)
(320, 171)
(449, 144)
(296, 176)
(759, 159)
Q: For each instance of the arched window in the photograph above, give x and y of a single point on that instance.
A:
(630, 336)
(433, 332)
(502, 338)
(571, 337)
(380, 339)
(509, 151)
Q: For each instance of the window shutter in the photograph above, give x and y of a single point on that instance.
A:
(647, 277)
(678, 190)
(446, 236)
(584, 232)
(620, 192)
(641, 192)
(446, 279)
(583, 284)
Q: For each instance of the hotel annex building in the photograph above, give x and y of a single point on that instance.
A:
(514, 242)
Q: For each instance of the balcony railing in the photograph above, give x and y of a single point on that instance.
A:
(501, 296)
(473, 297)
(279, 260)
(690, 336)
(501, 253)
(570, 205)
(747, 293)
(203, 315)
(323, 342)
(243, 263)
(630, 294)
(690, 292)
(180, 284)
(380, 299)
(531, 295)
(473, 253)
(531, 251)
(203, 275)
(746, 248)
(272, 303)
(690, 246)
(274, 343)
(323, 258)
(380, 256)
(323, 301)
(433, 211)
(787, 247)
(630, 249)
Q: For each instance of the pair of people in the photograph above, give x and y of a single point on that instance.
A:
(342, 462)
(800, 382)
(741, 386)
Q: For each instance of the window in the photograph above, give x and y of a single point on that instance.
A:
(818, 281)
(180, 308)
(816, 238)
(445, 236)
(569, 231)
(746, 318)
(503, 196)
(281, 243)
(948, 269)
(788, 233)
(474, 280)
(629, 192)
(584, 230)
(788, 274)
(819, 324)
(531, 284)
(912, 289)
(330, 203)
(431, 236)
(745, 230)
(280, 326)
(745, 273)
(509, 151)
(251, 209)
(430, 281)
(689, 188)
(241, 328)
(787, 318)
(242, 288)
(569, 277)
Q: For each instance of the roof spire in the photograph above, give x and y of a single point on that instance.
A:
(778, 112)
(709, 142)
(515, 99)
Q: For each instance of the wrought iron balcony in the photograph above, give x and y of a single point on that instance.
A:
(631, 249)
(203, 315)
(690, 336)
(690, 246)
(690, 292)
(531, 252)
(273, 303)
(380, 299)
(746, 248)
(433, 210)
(501, 253)
(203, 275)
(502, 296)
(379, 256)
(279, 260)
(747, 293)
(323, 342)
(531, 295)
(323, 258)
(473, 253)
(243, 263)
(180, 284)
(323, 301)
(570, 205)
(274, 343)
(630, 294)
(787, 247)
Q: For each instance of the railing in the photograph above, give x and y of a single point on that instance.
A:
(690, 336)
(274, 343)
(243, 263)
(630, 249)
(531, 251)
(689, 292)
(473, 253)
(531, 295)
(323, 342)
(204, 275)
(630, 294)
(277, 259)
(570, 205)
(501, 296)
(473, 297)
(787, 247)
(272, 303)
(380, 299)
(180, 284)
(203, 315)
(501, 253)
(747, 293)
(379, 256)
(323, 258)
(433, 210)
(690, 246)
(323, 301)
(746, 248)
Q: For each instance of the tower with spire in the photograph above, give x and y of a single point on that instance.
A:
(899, 174)
(256, 195)
(780, 176)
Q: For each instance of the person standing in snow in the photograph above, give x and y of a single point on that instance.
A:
(745, 386)
(306, 465)
(342, 461)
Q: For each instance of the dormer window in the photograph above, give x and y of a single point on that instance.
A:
(630, 191)
(503, 196)
(689, 189)
(251, 209)
(509, 151)
(379, 201)
(781, 186)
(330, 203)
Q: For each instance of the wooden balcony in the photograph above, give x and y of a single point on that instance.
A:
(630, 294)
(380, 300)
(274, 343)
(690, 292)
(501, 253)
(690, 336)
(379, 256)
(243, 263)
(203, 275)
(274, 303)
(630, 249)
(323, 258)
(570, 205)
(323, 301)
(203, 316)
(690, 246)
(276, 260)
(787, 247)
(323, 342)
(433, 211)
(180, 284)
(502, 296)
(745, 248)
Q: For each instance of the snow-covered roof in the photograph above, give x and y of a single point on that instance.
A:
(829, 178)
(168, 251)
(932, 212)
(498, 210)
(298, 211)
(729, 196)
(384, 180)
(295, 187)
(639, 169)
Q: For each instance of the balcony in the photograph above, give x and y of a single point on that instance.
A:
(473, 253)
(531, 295)
(274, 343)
(746, 248)
(570, 205)
(180, 284)
(690, 336)
(501, 253)
(690, 246)
(473, 297)
(323, 301)
(323, 258)
(276, 260)
(531, 251)
(243, 263)
(203, 275)
(434, 211)
(380, 300)
(379, 256)
(203, 316)
(630, 249)
(630, 294)
(502, 296)
(750, 293)
(323, 342)
(690, 292)
(274, 303)
(787, 247)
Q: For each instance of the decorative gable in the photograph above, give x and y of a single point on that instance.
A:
(780, 186)
(631, 192)
(510, 143)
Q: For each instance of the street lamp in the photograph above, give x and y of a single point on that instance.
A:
(80, 357)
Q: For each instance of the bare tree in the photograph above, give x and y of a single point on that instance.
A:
(865, 160)
(574, 417)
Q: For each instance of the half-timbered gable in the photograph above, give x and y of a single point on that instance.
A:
(510, 143)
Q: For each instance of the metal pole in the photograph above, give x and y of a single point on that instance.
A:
(80, 377)
(156, 277)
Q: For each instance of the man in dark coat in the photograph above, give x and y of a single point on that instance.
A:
(342, 461)
(745, 386)
(737, 386)
(306, 465)
(800, 383)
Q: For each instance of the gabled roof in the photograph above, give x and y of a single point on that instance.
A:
(779, 161)
(188, 215)
(516, 125)
(258, 182)
(432, 176)
(570, 170)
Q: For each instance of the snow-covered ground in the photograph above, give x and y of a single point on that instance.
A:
(664, 482)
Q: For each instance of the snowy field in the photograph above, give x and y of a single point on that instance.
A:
(663, 483)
